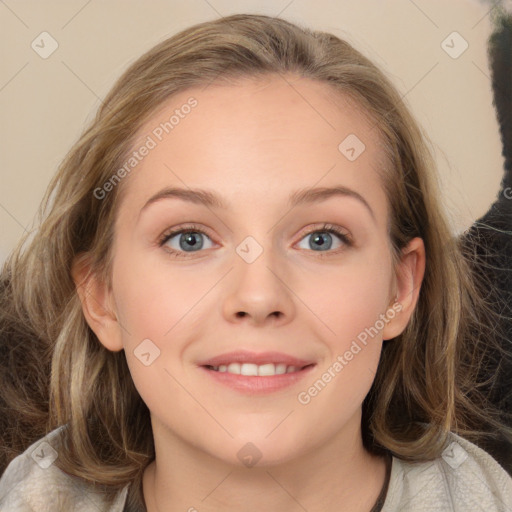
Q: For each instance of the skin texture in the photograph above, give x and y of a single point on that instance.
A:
(254, 143)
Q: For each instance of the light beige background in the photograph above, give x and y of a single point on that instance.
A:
(46, 103)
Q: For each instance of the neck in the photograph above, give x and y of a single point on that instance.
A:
(339, 475)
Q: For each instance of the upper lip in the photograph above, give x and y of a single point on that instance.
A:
(244, 356)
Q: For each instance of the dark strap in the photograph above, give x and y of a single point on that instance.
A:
(384, 491)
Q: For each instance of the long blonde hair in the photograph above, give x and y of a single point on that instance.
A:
(56, 372)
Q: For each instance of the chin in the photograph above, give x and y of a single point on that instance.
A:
(259, 451)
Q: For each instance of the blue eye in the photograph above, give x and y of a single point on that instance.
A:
(191, 239)
(188, 240)
(322, 238)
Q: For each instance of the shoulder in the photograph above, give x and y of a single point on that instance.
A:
(33, 483)
(465, 477)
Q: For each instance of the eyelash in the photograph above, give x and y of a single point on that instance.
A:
(192, 228)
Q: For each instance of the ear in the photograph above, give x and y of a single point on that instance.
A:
(97, 304)
(409, 276)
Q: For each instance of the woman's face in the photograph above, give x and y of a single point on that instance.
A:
(258, 274)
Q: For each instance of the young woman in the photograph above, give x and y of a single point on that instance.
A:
(244, 296)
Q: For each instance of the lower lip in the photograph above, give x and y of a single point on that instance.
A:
(256, 385)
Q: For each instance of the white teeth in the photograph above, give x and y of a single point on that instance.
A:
(234, 368)
(267, 369)
(280, 368)
(249, 369)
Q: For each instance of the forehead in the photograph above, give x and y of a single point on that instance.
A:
(258, 138)
(261, 106)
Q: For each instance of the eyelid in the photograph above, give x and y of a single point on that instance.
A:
(329, 228)
(169, 233)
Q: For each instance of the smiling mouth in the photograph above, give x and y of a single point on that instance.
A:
(255, 370)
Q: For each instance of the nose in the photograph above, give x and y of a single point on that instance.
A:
(259, 292)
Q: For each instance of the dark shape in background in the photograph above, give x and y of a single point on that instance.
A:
(489, 238)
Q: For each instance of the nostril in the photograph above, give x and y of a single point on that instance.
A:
(241, 314)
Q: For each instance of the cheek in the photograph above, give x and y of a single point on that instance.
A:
(349, 305)
(353, 350)
(349, 299)
(152, 299)
(164, 303)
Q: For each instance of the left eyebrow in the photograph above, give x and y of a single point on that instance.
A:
(299, 197)
(197, 196)
(313, 195)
